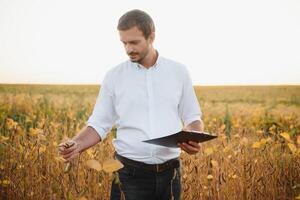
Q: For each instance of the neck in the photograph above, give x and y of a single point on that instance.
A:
(150, 58)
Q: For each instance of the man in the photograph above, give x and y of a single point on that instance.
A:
(146, 97)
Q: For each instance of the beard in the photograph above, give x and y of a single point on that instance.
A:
(138, 57)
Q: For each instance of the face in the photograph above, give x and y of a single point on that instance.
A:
(136, 45)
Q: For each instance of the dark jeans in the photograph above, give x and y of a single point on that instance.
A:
(140, 184)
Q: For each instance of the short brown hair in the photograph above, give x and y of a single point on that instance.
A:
(138, 18)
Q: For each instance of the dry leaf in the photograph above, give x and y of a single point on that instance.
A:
(208, 151)
(209, 177)
(42, 149)
(94, 164)
(3, 138)
(244, 141)
(286, 136)
(226, 149)
(234, 176)
(256, 145)
(112, 165)
(68, 167)
(60, 159)
(214, 163)
(263, 141)
(292, 147)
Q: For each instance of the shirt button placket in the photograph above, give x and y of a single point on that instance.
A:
(150, 104)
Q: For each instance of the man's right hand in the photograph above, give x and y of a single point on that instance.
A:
(69, 150)
(86, 138)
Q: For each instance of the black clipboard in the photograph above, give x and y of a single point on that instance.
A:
(181, 136)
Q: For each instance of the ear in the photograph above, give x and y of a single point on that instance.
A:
(152, 37)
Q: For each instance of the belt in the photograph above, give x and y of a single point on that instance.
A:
(171, 164)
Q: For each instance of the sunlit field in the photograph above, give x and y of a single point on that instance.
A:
(256, 154)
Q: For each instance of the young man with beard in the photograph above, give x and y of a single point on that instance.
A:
(147, 96)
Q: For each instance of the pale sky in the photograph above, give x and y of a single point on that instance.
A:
(220, 41)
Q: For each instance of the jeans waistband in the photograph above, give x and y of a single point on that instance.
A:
(170, 164)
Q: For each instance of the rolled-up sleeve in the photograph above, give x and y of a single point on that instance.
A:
(189, 108)
(104, 115)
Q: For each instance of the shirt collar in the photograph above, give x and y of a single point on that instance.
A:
(158, 60)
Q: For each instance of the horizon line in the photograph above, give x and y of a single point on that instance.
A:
(199, 85)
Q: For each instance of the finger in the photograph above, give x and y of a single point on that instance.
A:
(194, 144)
(66, 156)
(190, 148)
(184, 148)
(66, 147)
(67, 144)
(69, 150)
(61, 149)
(61, 144)
(72, 157)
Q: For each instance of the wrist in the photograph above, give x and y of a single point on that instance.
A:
(79, 145)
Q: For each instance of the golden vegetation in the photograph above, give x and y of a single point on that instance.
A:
(256, 155)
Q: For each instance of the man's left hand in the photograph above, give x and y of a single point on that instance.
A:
(190, 147)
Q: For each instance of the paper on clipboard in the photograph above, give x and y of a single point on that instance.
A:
(181, 136)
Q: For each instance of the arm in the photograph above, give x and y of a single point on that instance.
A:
(190, 113)
(195, 126)
(97, 127)
(85, 139)
(192, 147)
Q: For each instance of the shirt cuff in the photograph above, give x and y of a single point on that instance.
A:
(99, 130)
(191, 119)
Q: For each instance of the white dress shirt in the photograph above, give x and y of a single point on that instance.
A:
(145, 104)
